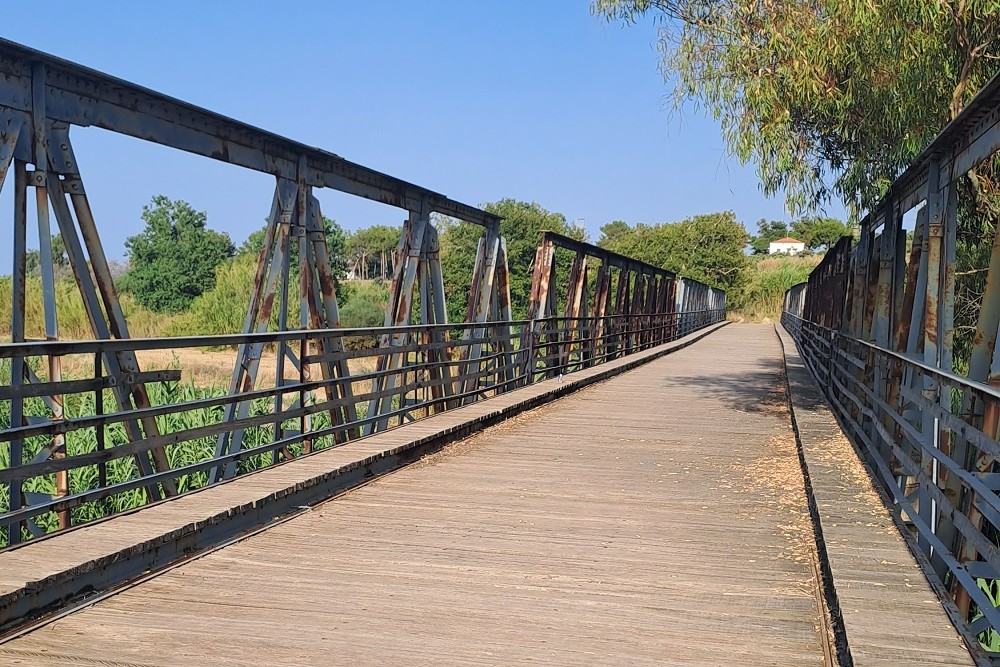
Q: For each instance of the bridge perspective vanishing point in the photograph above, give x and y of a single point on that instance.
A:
(623, 477)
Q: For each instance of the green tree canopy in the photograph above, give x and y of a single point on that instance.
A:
(768, 231)
(336, 243)
(173, 260)
(611, 231)
(708, 248)
(826, 96)
(819, 232)
(373, 250)
(522, 222)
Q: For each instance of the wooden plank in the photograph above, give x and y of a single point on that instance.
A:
(891, 614)
(107, 549)
(655, 518)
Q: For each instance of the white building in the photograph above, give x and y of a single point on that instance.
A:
(787, 246)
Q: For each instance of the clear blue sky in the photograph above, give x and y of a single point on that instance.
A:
(478, 100)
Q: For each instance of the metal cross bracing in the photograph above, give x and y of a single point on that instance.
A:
(613, 305)
(296, 386)
(877, 327)
(41, 97)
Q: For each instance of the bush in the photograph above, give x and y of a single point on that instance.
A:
(767, 280)
(173, 260)
(222, 309)
(72, 318)
(358, 314)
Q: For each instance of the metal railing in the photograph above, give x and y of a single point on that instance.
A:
(907, 417)
(79, 455)
(901, 331)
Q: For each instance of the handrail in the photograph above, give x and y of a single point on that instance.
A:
(299, 416)
(906, 417)
(951, 377)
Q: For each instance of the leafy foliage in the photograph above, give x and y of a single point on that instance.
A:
(365, 303)
(708, 248)
(819, 232)
(828, 96)
(173, 259)
(222, 309)
(521, 225)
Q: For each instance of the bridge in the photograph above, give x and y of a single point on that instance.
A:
(622, 477)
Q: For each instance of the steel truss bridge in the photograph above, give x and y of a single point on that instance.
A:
(622, 477)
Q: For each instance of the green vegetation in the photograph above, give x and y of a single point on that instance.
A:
(173, 260)
(222, 309)
(72, 316)
(709, 248)
(365, 303)
(816, 232)
(767, 280)
(521, 225)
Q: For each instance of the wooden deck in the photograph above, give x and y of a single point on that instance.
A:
(889, 613)
(657, 518)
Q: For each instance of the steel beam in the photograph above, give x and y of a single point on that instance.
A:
(81, 96)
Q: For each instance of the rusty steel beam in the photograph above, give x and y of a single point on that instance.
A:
(878, 332)
(635, 304)
(81, 96)
(606, 256)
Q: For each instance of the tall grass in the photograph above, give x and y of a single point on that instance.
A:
(125, 469)
(768, 279)
(221, 310)
(71, 313)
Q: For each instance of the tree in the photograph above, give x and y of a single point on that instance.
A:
(173, 260)
(767, 231)
(708, 248)
(611, 231)
(819, 232)
(336, 244)
(522, 222)
(827, 97)
(373, 250)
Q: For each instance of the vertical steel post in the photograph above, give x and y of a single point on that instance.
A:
(17, 336)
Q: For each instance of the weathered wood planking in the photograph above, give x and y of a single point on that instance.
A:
(657, 518)
(652, 519)
(891, 615)
(42, 573)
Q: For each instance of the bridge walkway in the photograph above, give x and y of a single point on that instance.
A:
(657, 518)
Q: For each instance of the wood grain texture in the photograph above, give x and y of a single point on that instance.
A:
(891, 615)
(630, 524)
